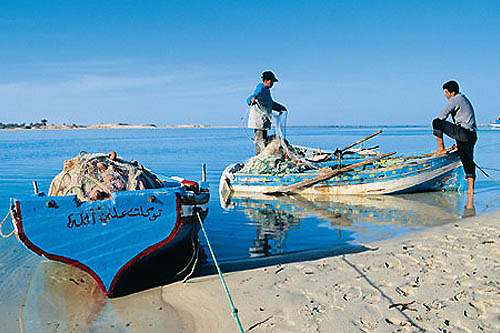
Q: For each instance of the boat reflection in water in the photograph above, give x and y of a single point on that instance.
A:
(272, 226)
(63, 298)
(362, 217)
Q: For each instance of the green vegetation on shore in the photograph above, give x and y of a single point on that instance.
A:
(43, 125)
(40, 125)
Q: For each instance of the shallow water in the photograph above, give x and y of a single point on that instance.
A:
(243, 227)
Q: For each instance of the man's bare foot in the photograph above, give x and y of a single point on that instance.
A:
(470, 204)
(470, 196)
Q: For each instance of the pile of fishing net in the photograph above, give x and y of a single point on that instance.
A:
(278, 157)
(96, 176)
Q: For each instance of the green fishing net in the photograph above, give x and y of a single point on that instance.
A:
(96, 176)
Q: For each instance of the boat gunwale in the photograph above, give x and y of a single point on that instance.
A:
(256, 188)
(436, 161)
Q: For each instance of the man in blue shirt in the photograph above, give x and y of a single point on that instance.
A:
(261, 107)
(463, 129)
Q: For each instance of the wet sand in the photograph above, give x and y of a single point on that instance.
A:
(446, 279)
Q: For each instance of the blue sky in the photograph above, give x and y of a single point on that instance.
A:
(185, 62)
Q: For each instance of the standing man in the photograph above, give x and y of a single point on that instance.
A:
(463, 130)
(261, 106)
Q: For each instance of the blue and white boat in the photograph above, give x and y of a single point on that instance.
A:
(384, 174)
(127, 240)
(495, 123)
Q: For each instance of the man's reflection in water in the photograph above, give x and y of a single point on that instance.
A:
(272, 226)
(469, 209)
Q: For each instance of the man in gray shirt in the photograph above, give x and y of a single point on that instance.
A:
(463, 129)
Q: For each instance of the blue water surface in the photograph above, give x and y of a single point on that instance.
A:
(240, 229)
(247, 228)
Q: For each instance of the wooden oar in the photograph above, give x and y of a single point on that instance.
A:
(325, 176)
(360, 141)
(341, 150)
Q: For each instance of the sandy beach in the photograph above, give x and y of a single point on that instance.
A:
(443, 279)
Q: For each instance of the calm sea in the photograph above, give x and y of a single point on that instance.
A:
(234, 227)
(241, 229)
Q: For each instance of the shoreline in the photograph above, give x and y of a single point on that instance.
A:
(442, 279)
(201, 126)
(109, 126)
(446, 278)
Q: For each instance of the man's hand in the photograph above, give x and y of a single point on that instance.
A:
(253, 101)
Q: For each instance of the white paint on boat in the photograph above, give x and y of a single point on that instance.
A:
(378, 187)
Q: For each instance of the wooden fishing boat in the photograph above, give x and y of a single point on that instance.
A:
(383, 174)
(128, 241)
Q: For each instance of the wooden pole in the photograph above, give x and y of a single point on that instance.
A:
(203, 172)
(326, 175)
(362, 140)
(343, 149)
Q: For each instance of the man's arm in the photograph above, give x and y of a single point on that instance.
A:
(251, 99)
(278, 107)
(450, 107)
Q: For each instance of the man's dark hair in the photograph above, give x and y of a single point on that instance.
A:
(451, 86)
(268, 75)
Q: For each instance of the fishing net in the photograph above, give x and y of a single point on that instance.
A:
(279, 156)
(96, 176)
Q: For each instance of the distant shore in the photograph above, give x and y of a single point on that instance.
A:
(42, 126)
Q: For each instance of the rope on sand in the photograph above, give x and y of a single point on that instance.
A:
(194, 257)
(1, 226)
(234, 309)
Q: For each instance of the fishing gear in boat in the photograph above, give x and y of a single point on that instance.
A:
(319, 155)
(278, 155)
(97, 176)
(327, 175)
(115, 220)
(280, 123)
(378, 174)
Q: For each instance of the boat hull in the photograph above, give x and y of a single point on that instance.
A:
(433, 174)
(133, 241)
(168, 264)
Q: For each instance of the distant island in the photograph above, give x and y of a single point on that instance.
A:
(43, 125)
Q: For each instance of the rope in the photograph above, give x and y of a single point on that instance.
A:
(196, 250)
(1, 226)
(493, 179)
(278, 124)
(234, 309)
(492, 169)
(71, 189)
(283, 121)
(193, 260)
(496, 181)
(243, 125)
